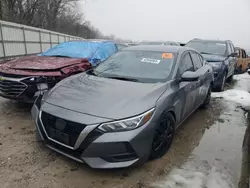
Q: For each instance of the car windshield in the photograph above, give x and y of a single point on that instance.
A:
(207, 47)
(152, 43)
(248, 53)
(120, 46)
(140, 66)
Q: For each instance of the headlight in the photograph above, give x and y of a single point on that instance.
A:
(216, 65)
(127, 124)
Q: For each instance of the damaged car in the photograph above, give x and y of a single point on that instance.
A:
(26, 78)
(125, 111)
(221, 56)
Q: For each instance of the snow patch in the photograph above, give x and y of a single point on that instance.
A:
(240, 97)
(186, 178)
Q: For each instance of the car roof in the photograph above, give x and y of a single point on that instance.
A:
(158, 48)
(207, 40)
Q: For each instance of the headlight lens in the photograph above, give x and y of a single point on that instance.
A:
(127, 124)
(216, 65)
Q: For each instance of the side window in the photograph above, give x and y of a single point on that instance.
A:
(196, 60)
(186, 64)
(244, 55)
(229, 48)
(232, 47)
(201, 59)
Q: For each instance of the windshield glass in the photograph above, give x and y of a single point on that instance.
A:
(207, 47)
(152, 43)
(142, 66)
(248, 53)
(120, 46)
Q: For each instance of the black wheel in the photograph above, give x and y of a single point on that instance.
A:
(208, 98)
(222, 85)
(164, 136)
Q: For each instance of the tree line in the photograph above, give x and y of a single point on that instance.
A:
(56, 15)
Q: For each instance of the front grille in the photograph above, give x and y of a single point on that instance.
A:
(11, 75)
(10, 88)
(215, 74)
(67, 135)
(75, 153)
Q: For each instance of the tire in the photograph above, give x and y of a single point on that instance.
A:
(222, 85)
(164, 135)
(230, 78)
(208, 98)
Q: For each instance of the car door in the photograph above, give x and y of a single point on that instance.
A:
(202, 84)
(187, 90)
(231, 60)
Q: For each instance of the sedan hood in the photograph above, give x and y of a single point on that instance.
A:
(103, 97)
(213, 58)
(40, 63)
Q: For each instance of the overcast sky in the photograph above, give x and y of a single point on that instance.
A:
(178, 20)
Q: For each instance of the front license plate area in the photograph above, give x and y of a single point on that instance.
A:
(59, 136)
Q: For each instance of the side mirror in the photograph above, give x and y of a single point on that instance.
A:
(189, 76)
(96, 61)
(234, 54)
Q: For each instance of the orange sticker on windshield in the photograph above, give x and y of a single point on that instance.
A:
(167, 56)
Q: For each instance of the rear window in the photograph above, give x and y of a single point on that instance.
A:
(207, 47)
(144, 66)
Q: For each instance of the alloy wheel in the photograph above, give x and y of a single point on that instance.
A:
(163, 137)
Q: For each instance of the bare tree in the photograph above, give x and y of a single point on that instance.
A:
(57, 15)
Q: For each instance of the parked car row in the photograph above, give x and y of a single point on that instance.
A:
(114, 108)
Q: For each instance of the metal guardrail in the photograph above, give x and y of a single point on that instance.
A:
(20, 40)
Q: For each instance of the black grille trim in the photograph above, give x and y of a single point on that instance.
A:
(11, 88)
(72, 129)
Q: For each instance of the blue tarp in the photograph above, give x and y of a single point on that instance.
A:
(93, 51)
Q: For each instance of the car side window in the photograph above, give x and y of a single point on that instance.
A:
(244, 55)
(186, 64)
(196, 60)
(201, 59)
(229, 49)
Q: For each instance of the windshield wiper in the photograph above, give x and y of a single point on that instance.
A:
(206, 53)
(91, 72)
(60, 56)
(123, 78)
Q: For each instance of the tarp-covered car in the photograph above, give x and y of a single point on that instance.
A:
(25, 78)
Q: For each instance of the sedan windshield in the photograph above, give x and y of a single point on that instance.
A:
(152, 43)
(207, 47)
(137, 66)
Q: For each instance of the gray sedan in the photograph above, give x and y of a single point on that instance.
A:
(125, 111)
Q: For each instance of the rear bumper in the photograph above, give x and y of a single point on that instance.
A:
(102, 150)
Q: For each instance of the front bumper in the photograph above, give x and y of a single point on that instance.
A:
(20, 89)
(218, 79)
(95, 148)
